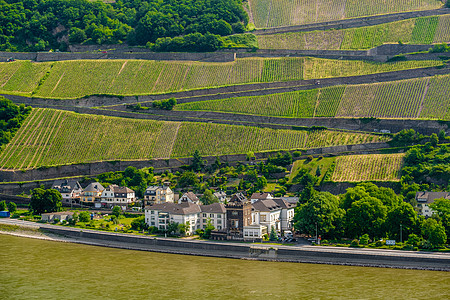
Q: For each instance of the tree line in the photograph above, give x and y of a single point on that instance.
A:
(37, 25)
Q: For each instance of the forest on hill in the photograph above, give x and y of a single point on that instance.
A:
(198, 25)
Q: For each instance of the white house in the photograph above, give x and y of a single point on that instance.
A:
(425, 198)
(222, 196)
(275, 213)
(70, 190)
(158, 194)
(189, 197)
(61, 216)
(115, 195)
(162, 214)
(215, 213)
(254, 232)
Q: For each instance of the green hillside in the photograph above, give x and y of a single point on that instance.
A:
(75, 79)
(425, 98)
(270, 13)
(425, 30)
(52, 137)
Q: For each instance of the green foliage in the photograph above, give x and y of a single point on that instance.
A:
(207, 232)
(168, 104)
(135, 179)
(440, 48)
(208, 198)
(43, 201)
(273, 234)
(32, 25)
(364, 240)
(139, 224)
(282, 160)
(11, 118)
(75, 219)
(12, 207)
(84, 216)
(197, 162)
(247, 40)
(406, 137)
(117, 211)
(321, 212)
(188, 179)
(3, 205)
(434, 232)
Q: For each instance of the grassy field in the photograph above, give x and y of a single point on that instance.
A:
(372, 167)
(414, 98)
(74, 79)
(424, 30)
(323, 164)
(270, 13)
(51, 137)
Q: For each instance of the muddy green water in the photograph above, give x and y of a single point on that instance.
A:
(39, 269)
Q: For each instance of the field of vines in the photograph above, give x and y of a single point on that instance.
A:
(398, 99)
(373, 167)
(426, 98)
(271, 13)
(299, 104)
(425, 30)
(21, 77)
(52, 137)
(75, 79)
(436, 104)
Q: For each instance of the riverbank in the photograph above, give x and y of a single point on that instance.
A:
(299, 254)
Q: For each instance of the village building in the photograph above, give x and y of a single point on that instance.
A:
(214, 213)
(115, 195)
(221, 195)
(276, 213)
(424, 199)
(158, 194)
(160, 215)
(189, 197)
(60, 216)
(92, 193)
(70, 191)
(239, 215)
(260, 196)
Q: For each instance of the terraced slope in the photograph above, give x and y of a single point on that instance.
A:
(373, 167)
(424, 30)
(271, 13)
(414, 98)
(75, 79)
(52, 137)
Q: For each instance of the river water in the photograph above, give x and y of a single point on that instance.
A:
(40, 269)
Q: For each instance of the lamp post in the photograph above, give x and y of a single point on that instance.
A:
(316, 232)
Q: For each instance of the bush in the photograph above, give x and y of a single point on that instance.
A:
(168, 104)
(297, 153)
(84, 216)
(354, 243)
(364, 239)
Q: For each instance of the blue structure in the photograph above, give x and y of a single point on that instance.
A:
(4, 214)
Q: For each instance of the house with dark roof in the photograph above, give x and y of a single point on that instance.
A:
(239, 215)
(92, 193)
(276, 213)
(160, 215)
(424, 199)
(215, 213)
(70, 190)
(189, 197)
(115, 195)
(260, 196)
(158, 194)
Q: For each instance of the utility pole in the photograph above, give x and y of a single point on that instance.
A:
(316, 232)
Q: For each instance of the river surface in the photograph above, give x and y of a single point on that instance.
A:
(40, 269)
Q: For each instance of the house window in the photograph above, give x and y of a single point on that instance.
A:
(204, 215)
(211, 215)
(219, 216)
(219, 221)
(153, 223)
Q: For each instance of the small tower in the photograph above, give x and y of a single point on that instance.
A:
(239, 214)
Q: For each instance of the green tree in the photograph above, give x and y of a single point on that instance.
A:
(2, 205)
(12, 207)
(273, 234)
(45, 200)
(402, 216)
(84, 216)
(188, 179)
(117, 211)
(197, 162)
(139, 224)
(365, 216)
(441, 208)
(434, 232)
(434, 140)
(208, 198)
(208, 229)
(322, 213)
(75, 219)
(172, 228)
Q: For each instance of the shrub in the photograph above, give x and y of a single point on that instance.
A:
(297, 153)
(354, 243)
(84, 216)
(364, 239)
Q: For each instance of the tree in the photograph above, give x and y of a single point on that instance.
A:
(434, 232)
(401, 218)
(117, 211)
(273, 234)
(75, 219)
(365, 216)
(197, 162)
(139, 224)
(2, 205)
(172, 227)
(434, 140)
(12, 207)
(322, 213)
(84, 216)
(208, 198)
(208, 229)
(441, 208)
(188, 179)
(45, 200)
